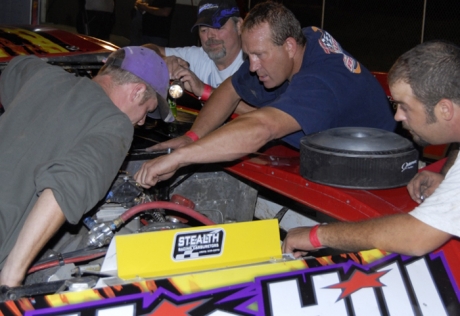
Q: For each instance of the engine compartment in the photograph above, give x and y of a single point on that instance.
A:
(265, 185)
(205, 194)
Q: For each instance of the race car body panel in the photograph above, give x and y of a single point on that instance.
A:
(326, 282)
(46, 42)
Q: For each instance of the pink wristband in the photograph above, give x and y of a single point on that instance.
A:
(194, 137)
(206, 93)
(314, 241)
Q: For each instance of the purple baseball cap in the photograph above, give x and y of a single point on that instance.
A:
(215, 13)
(149, 66)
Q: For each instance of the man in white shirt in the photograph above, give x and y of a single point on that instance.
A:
(424, 84)
(202, 69)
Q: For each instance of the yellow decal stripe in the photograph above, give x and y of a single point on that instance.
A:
(33, 42)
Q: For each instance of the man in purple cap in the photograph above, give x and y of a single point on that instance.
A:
(64, 139)
(202, 69)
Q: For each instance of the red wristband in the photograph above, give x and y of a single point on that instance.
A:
(206, 93)
(194, 137)
(314, 241)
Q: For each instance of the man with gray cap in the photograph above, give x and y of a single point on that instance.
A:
(63, 141)
(202, 69)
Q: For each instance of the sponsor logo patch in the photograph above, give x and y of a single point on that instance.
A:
(408, 165)
(207, 6)
(198, 244)
(330, 45)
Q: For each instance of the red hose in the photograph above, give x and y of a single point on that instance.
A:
(56, 262)
(169, 206)
(125, 216)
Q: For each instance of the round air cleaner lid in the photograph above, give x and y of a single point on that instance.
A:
(358, 157)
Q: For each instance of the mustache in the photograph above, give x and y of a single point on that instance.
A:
(210, 42)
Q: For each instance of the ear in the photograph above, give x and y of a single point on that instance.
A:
(291, 46)
(238, 25)
(137, 92)
(446, 109)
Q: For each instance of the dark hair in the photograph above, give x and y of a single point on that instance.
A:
(120, 76)
(282, 22)
(432, 70)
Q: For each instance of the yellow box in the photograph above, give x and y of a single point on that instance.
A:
(170, 252)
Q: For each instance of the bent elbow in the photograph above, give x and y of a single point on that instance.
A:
(417, 252)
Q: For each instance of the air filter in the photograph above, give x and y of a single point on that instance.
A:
(358, 158)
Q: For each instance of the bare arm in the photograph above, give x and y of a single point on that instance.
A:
(242, 136)
(401, 233)
(42, 223)
(243, 108)
(166, 11)
(217, 109)
(157, 49)
(179, 69)
(214, 113)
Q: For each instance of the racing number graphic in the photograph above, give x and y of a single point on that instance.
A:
(395, 289)
(394, 285)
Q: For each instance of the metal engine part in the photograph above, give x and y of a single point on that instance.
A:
(126, 191)
(153, 227)
(219, 196)
(100, 235)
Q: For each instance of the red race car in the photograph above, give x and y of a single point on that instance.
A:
(207, 242)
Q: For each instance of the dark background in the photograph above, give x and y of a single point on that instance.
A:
(376, 32)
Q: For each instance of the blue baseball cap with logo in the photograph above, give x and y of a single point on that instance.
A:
(215, 13)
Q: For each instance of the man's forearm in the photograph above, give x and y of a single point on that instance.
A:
(401, 233)
(242, 136)
(236, 139)
(217, 109)
(157, 49)
(42, 223)
(158, 11)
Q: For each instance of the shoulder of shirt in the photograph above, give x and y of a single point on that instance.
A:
(25, 64)
(23, 59)
(183, 48)
(312, 31)
(238, 60)
(195, 51)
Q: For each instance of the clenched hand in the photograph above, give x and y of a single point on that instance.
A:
(423, 185)
(297, 241)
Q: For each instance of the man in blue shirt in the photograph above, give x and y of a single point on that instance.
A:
(295, 81)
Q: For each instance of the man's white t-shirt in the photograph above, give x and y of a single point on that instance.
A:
(442, 209)
(204, 67)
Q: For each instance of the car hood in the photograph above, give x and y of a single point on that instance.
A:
(47, 42)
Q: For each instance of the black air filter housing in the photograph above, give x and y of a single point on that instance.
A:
(358, 157)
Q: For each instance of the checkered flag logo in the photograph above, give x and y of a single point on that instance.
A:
(188, 254)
